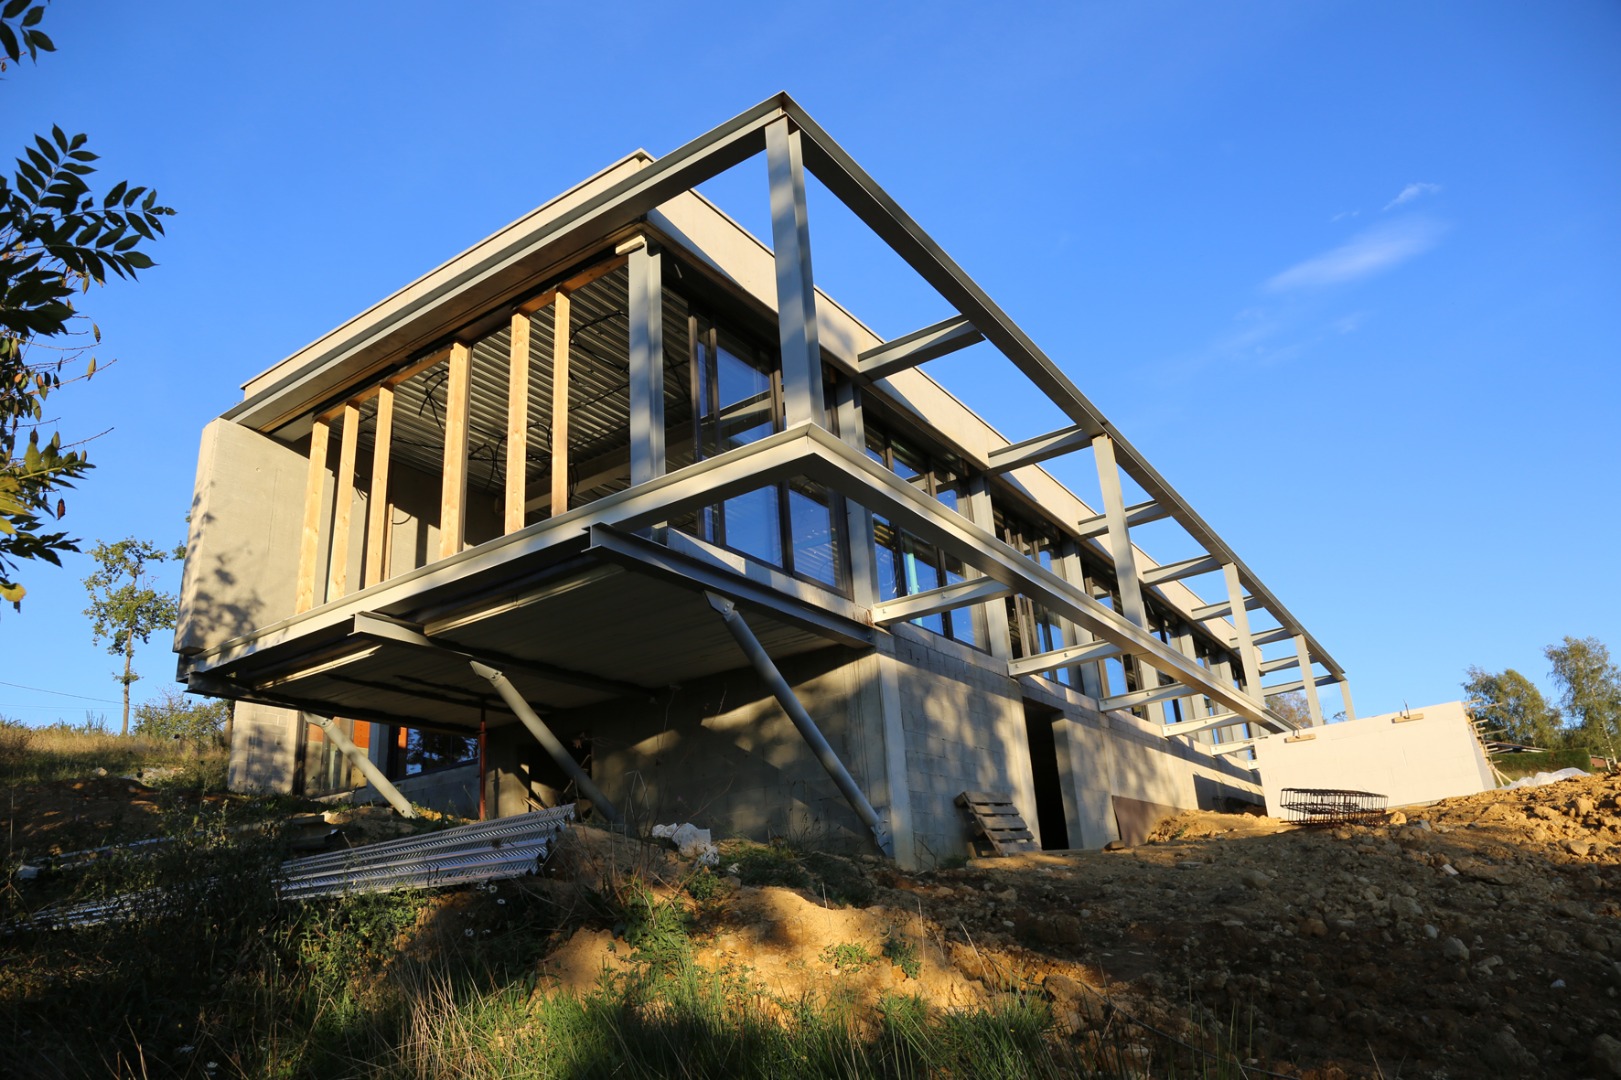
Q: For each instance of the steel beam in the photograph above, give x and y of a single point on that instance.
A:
(1297, 684)
(543, 735)
(1345, 697)
(1224, 749)
(1202, 723)
(1136, 514)
(934, 601)
(1282, 663)
(1225, 608)
(1272, 636)
(920, 346)
(380, 628)
(830, 617)
(1071, 656)
(1151, 696)
(808, 730)
(1041, 448)
(1176, 571)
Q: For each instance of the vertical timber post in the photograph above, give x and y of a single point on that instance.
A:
(517, 425)
(453, 493)
(310, 538)
(343, 500)
(378, 518)
(560, 360)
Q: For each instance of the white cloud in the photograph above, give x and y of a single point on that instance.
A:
(1363, 256)
(1344, 214)
(1413, 191)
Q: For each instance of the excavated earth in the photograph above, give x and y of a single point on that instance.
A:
(1479, 936)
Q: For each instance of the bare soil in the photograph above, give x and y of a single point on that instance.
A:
(1479, 936)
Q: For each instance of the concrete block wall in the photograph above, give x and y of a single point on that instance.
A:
(264, 749)
(964, 725)
(720, 752)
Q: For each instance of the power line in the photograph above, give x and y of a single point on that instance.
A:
(58, 693)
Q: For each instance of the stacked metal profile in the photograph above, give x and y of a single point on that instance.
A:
(1332, 806)
(488, 851)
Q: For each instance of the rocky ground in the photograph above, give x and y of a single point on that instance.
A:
(1476, 937)
(1480, 936)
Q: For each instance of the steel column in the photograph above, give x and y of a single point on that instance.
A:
(373, 774)
(647, 460)
(543, 735)
(808, 730)
(796, 289)
(1304, 653)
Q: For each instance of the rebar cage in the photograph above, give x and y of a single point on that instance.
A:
(1332, 806)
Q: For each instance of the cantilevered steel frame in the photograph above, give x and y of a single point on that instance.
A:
(498, 271)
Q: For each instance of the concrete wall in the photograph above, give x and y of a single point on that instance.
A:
(453, 790)
(264, 749)
(247, 513)
(1433, 756)
(721, 753)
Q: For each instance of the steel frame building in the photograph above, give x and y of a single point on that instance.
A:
(621, 471)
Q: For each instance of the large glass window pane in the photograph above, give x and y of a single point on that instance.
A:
(815, 537)
(752, 526)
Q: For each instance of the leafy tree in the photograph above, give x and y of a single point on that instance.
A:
(125, 604)
(172, 715)
(56, 240)
(1291, 706)
(1511, 704)
(1590, 688)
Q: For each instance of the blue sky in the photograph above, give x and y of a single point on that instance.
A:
(1347, 273)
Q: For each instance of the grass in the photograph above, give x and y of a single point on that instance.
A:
(70, 752)
(216, 977)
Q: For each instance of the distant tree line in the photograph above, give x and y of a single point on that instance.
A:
(1586, 716)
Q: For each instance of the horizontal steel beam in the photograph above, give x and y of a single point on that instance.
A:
(1225, 608)
(1223, 749)
(645, 556)
(920, 346)
(1280, 664)
(1297, 684)
(1072, 656)
(1203, 723)
(1269, 637)
(852, 185)
(1150, 696)
(1176, 571)
(1039, 449)
(934, 601)
(1140, 514)
(379, 628)
(217, 686)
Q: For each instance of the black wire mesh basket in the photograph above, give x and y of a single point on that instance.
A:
(1332, 806)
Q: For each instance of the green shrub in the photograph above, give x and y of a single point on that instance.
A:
(174, 716)
(1515, 766)
(848, 956)
(903, 954)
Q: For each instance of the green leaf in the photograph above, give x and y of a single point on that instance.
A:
(15, 8)
(38, 40)
(115, 194)
(60, 136)
(8, 41)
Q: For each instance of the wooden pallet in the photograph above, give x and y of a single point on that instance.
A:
(997, 823)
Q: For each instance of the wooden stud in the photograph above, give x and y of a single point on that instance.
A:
(453, 492)
(379, 523)
(517, 421)
(337, 562)
(309, 541)
(560, 351)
